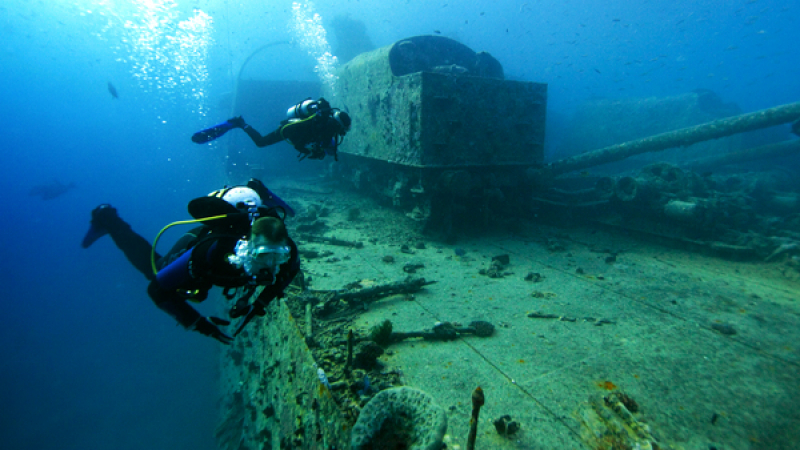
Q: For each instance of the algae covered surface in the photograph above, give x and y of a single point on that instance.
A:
(600, 341)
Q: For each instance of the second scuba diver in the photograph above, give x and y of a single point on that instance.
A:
(312, 127)
(242, 243)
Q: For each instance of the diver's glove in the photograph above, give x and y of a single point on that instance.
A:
(208, 327)
(237, 122)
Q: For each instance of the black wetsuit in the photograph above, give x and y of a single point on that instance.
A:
(311, 135)
(208, 266)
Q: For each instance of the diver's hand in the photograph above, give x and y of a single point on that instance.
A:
(208, 327)
(237, 122)
(317, 153)
(255, 309)
(302, 153)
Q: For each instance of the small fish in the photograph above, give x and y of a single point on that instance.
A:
(437, 31)
(112, 90)
(597, 71)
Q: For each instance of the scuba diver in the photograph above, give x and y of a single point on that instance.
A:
(312, 127)
(241, 244)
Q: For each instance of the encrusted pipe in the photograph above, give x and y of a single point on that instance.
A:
(776, 150)
(477, 402)
(676, 138)
(408, 417)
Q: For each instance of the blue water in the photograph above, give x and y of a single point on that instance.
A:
(87, 361)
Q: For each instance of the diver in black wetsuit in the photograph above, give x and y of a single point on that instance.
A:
(313, 128)
(242, 243)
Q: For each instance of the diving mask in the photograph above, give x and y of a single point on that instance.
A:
(256, 259)
(270, 255)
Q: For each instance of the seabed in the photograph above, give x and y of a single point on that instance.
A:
(701, 352)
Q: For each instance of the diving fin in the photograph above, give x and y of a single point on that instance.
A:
(268, 198)
(209, 134)
(92, 235)
(271, 200)
(104, 217)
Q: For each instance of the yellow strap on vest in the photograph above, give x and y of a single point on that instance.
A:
(180, 222)
(219, 193)
(295, 122)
